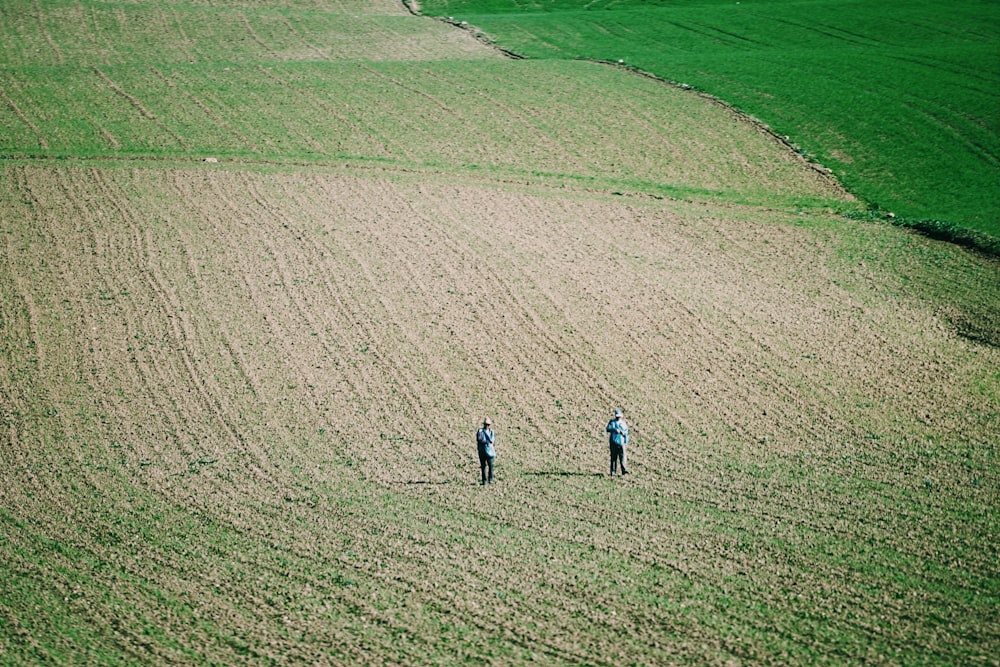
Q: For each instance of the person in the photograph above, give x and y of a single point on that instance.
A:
(486, 444)
(617, 430)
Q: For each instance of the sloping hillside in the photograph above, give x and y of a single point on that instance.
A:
(239, 396)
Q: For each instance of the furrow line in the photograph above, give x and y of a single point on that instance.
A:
(413, 89)
(714, 345)
(403, 377)
(255, 37)
(121, 264)
(382, 143)
(88, 30)
(411, 261)
(474, 573)
(187, 43)
(42, 142)
(53, 44)
(260, 461)
(521, 116)
(581, 274)
(45, 400)
(217, 119)
(137, 104)
(827, 518)
(307, 311)
(361, 255)
(828, 32)
(181, 328)
(514, 304)
(32, 315)
(598, 271)
(305, 42)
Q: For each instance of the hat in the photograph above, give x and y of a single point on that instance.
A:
(487, 421)
(618, 413)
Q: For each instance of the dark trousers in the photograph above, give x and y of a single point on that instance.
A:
(618, 456)
(486, 467)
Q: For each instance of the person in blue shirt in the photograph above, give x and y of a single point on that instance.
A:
(617, 430)
(486, 444)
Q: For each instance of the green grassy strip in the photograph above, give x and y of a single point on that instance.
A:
(499, 118)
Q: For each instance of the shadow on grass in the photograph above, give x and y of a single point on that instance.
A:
(939, 230)
(562, 473)
(425, 482)
(967, 238)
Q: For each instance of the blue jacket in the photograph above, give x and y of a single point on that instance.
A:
(485, 437)
(617, 432)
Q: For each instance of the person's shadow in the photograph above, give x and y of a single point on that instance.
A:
(562, 473)
(426, 482)
(533, 473)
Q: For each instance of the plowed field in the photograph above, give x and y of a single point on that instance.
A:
(238, 410)
(239, 400)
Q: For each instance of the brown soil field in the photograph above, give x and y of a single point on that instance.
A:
(238, 408)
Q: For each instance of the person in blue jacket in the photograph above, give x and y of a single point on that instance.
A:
(617, 430)
(486, 444)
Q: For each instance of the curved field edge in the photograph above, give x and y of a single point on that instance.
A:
(900, 102)
(238, 407)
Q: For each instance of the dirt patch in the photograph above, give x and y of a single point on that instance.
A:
(841, 156)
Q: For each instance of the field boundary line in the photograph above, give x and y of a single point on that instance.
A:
(413, 7)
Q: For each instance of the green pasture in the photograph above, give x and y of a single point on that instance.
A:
(901, 99)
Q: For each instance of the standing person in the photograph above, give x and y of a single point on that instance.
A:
(617, 430)
(486, 444)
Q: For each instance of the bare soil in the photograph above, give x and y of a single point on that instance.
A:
(243, 403)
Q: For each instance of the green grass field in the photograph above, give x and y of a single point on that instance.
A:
(900, 99)
(265, 266)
